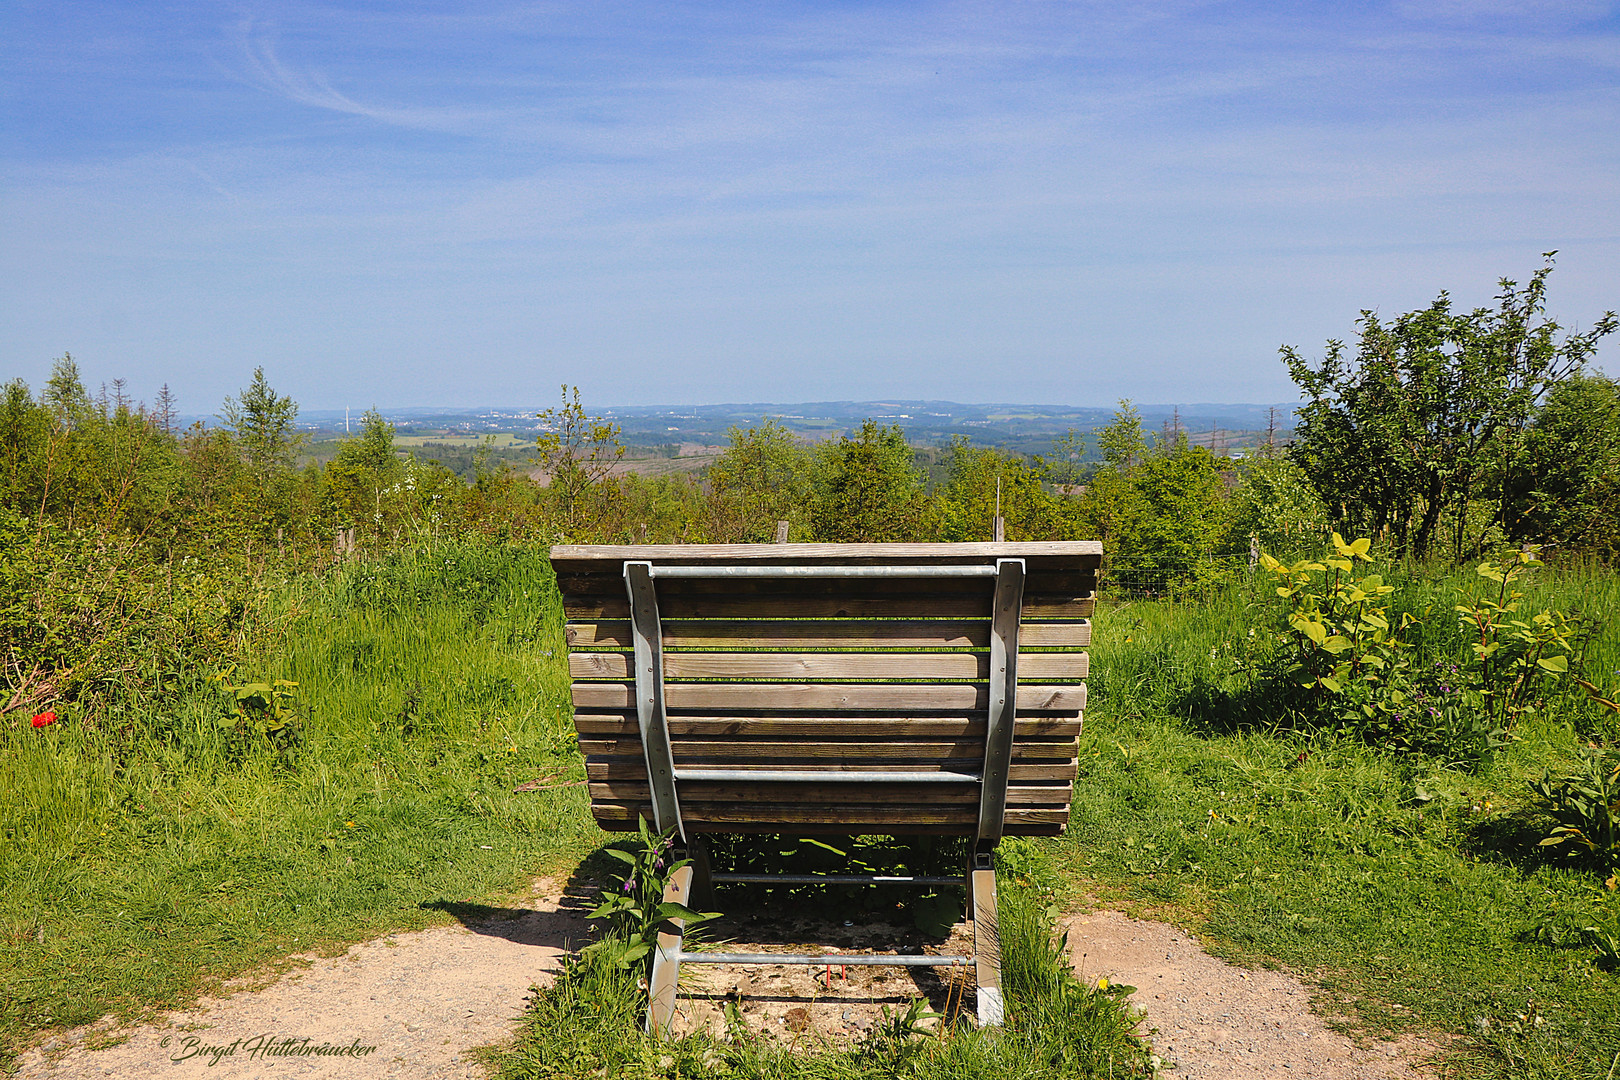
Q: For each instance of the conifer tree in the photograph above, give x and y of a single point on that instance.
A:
(263, 424)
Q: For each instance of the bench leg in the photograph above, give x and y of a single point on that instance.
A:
(987, 947)
(702, 875)
(666, 968)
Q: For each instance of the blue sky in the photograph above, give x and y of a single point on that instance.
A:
(415, 204)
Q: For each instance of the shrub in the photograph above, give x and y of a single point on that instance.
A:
(1585, 802)
(93, 626)
(1345, 660)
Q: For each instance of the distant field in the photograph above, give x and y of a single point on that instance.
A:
(501, 441)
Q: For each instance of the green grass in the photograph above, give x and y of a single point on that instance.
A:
(433, 683)
(1414, 895)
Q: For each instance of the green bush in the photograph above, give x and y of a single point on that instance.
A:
(94, 627)
(1344, 659)
(1585, 801)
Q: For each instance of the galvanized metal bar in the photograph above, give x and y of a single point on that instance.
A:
(822, 776)
(664, 982)
(804, 960)
(971, 570)
(1005, 615)
(986, 941)
(649, 656)
(832, 879)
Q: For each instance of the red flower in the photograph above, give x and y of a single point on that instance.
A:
(44, 718)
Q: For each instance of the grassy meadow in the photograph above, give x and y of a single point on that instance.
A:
(431, 681)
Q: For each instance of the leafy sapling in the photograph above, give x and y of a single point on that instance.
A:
(636, 910)
(1346, 659)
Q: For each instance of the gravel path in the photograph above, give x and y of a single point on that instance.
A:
(403, 1007)
(1216, 1021)
(411, 1007)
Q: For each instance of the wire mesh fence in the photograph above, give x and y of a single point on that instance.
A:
(1152, 577)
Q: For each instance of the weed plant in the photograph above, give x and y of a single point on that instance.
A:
(429, 682)
(1416, 895)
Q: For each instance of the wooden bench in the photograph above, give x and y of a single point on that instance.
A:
(894, 689)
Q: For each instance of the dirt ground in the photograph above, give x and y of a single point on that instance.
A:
(403, 1007)
(412, 1006)
(1216, 1021)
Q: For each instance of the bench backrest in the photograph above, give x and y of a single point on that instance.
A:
(868, 660)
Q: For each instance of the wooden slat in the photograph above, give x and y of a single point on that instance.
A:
(633, 767)
(775, 697)
(790, 814)
(693, 752)
(841, 794)
(831, 667)
(1074, 583)
(828, 607)
(865, 634)
(618, 725)
(628, 825)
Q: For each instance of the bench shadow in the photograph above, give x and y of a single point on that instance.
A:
(564, 927)
(560, 929)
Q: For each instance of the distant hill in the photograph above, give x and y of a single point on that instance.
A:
(1023, 427)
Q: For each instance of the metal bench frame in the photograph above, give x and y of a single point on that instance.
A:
(664, 778)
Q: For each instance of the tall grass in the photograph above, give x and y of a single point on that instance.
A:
(135, 874)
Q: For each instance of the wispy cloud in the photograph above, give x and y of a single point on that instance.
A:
(263, 67)
(1543, 13)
